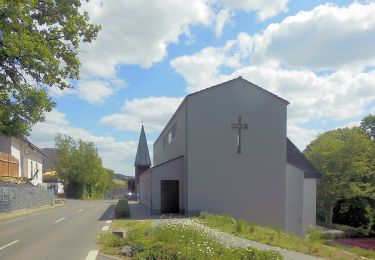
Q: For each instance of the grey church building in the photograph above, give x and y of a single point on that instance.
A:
(225, 151)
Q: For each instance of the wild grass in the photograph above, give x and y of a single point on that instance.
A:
(314, 245)
(174, 240)
(109, 243)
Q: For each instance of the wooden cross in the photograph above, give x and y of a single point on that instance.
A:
(239, 126)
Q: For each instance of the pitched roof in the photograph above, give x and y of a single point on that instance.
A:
(297, 159)
(223, 84)
(33, 146)
(50, 159)
(143, 157)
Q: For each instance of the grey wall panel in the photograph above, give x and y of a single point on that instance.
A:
(173, 170)
(250, 185)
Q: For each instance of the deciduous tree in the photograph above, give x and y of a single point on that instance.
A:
(39, 41)
(345, 157)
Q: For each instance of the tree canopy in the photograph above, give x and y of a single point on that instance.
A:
(80, 167)
(368, 126)
(346, 158)
(39, 41)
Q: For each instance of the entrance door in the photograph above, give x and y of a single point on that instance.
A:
(169, 196)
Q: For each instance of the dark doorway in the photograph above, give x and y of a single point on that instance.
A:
(170, 196)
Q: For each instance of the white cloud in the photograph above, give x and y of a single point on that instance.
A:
(203, 68)
(94, 91)
(301, 137)
(264, 8)
(57, 92)
(138, 32)
(341, 94)
(116, 155)
(327, 37)
(153, 111)
(222, 17)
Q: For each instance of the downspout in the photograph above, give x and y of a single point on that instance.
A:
(186, 159)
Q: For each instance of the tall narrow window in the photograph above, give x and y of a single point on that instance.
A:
(170, 135)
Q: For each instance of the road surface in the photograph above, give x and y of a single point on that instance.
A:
(67, 233)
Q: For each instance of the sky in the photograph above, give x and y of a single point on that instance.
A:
(318, 55)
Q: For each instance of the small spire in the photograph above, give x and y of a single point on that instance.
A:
(143, 156)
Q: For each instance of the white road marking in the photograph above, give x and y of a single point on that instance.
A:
(108, 221)
(92, 255)
(105, 228)
(15, 241)
(61, 219)
(80, 210)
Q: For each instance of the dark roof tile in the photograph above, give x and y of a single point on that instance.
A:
(297, 159)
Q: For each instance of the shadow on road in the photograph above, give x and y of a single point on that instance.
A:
(141, 212)
(108, 213)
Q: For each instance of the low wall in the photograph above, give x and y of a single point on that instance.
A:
(21, 196)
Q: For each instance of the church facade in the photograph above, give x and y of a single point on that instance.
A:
(225, 151)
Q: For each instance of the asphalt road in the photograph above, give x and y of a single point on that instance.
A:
(67, 233)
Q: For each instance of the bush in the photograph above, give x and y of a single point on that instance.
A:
(352, 232)
(315, 235)
(122, 209)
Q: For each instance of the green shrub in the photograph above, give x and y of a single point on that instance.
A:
(352, 232)
(122, 209)
(240, 226)
(315, 234)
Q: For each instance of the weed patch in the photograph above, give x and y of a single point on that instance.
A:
(314, 245)
(173, 240)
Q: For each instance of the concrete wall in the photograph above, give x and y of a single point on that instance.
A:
(16, 151)
(37, 160)
(5, 144)
(309, 203)
(178, 146)
(145, 188)
(294, 200)
(173, 170)
(250, 185)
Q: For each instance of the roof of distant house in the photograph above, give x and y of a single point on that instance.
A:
(296, 158)
(33, 146)
(51, 158)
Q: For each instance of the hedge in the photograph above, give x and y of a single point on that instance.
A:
(122, 209)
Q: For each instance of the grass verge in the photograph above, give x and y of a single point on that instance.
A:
(173, 240)
(313, 246)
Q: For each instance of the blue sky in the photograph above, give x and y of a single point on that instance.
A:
(318, 55)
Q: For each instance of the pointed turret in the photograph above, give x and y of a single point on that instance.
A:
(142, 159)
